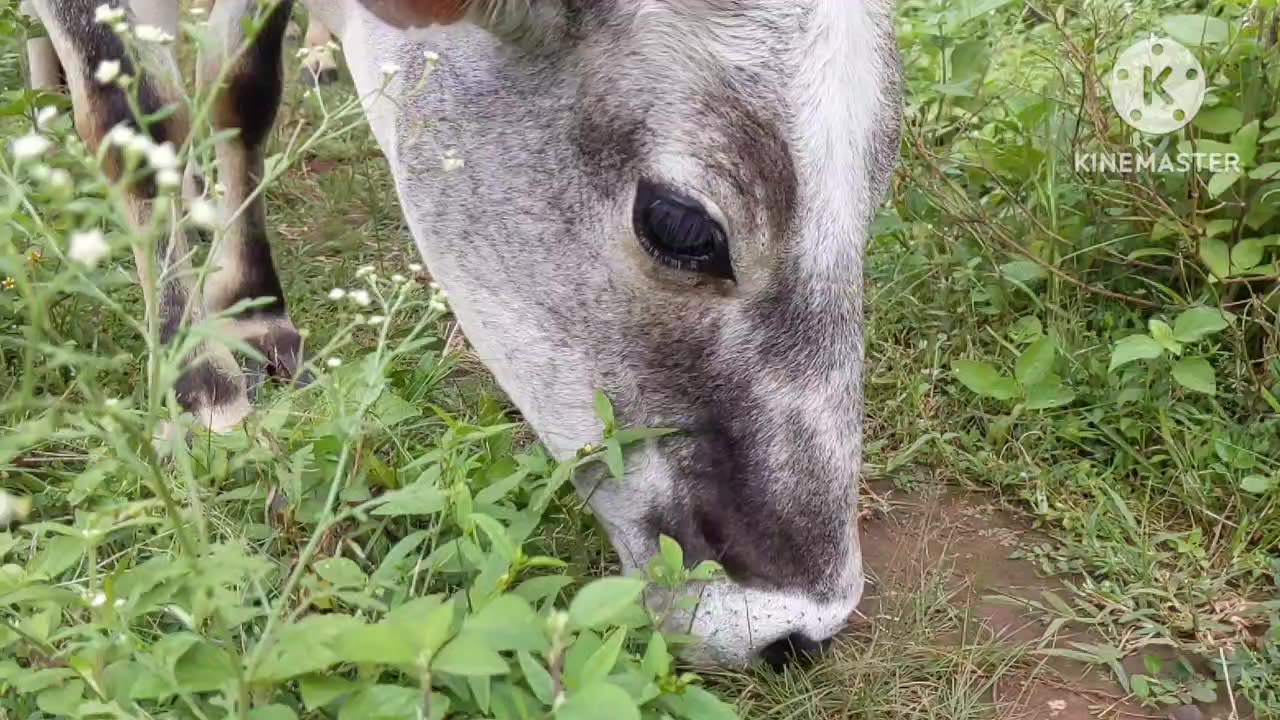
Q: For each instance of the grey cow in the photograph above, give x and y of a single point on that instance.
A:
(666, 200)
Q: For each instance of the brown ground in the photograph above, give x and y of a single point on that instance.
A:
(967, 540)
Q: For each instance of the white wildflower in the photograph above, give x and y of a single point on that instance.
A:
(431, 56)
(302, 52)
(437, 306)
(399, 279)
(98, 600)
(119, 603)
(29, 147)
(59, 179)
(162, 157)
(377, 320)
(435, 286)
(108, 15)
(197, 11)
(88, 247)
(152, 34)
(361, 297)
(45, 116)
(337, 294)
(415, 268)
(169, 179)
(140, 144)
(107, 72)
(203, 213)
(334, 362)
(121, 135)
(365, 270)
(390, 69)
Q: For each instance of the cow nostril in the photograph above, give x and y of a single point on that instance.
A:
(794, 649)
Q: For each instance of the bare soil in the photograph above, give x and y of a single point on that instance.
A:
(965, 540)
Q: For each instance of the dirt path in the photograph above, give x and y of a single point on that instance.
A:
(962, 542)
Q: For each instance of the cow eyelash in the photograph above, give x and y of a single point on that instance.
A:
(677, 231)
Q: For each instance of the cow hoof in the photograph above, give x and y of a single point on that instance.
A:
(281, 346)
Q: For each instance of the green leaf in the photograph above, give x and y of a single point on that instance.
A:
(63, 701)
(536, 677)
(604, 410)
(341, 572)
(1265, 171)
(205, 668)
(603, 601)
(1245, 142)
(499, 539)
(1195, 374)
(1247, 254)
(273, 712)
(1204, 692)
(959, 13)
(1196, 30)
(320, 690)
(1135, 347)
(1258, 484)
(1222, 120)
(1048, 395)
(1222, 181)
(1152, 664)
(304, 647)
(420, 498)
(1023, 271)
(969, 61)
(1216, 257)
(426, 631)
(657, 659)
(1026, 330)
(56, 556)
(603, 659)
(508, 623)
(613, 458)
(1036, 361)
(697, 704)
(1199, 323)
(467, 655)
(985, 380)
(391, 702)
(1163, 334)
(671, 552)
(597, 702)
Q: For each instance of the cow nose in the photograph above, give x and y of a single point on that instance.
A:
(795, 649)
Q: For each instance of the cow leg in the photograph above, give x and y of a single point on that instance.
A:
(248, 103)
(319, 64)
(42, 60)
(211, 385)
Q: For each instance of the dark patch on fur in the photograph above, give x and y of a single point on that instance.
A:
(202, 386)
(259, 279)
(756, 157)
(96, 43)
(253, 95)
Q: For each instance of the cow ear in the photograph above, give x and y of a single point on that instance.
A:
(417, 13)
(515, 20)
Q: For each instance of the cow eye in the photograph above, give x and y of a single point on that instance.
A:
(677, 231)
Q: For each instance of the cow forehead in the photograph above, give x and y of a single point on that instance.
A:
(791, 102)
